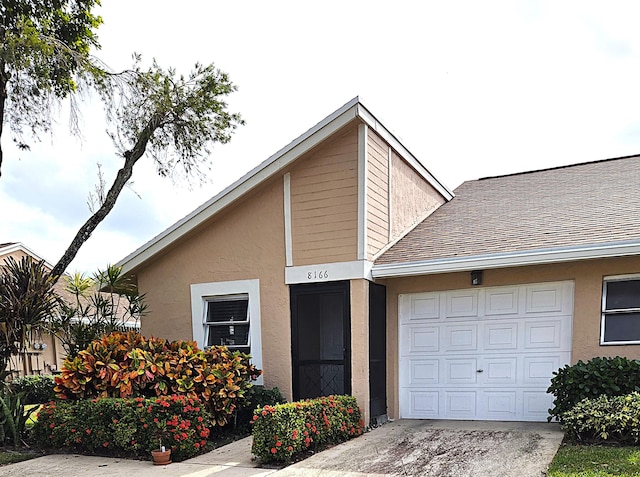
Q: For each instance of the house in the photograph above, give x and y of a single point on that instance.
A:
(44, 354)
(344, 266)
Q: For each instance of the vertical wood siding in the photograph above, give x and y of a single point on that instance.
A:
(377, 194)
(324, 203)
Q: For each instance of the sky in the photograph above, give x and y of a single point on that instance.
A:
(472, 89)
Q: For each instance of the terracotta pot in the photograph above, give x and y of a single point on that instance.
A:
(161, 457)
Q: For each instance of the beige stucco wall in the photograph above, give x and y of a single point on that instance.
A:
(245, 242)
(324, 202)
(360, 345)
(412, 198)
(377, 194)
(587, 276)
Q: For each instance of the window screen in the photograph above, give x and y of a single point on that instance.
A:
(621, 312)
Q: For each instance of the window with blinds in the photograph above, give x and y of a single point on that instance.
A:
(227, 322)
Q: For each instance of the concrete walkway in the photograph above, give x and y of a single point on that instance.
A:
(399, 448)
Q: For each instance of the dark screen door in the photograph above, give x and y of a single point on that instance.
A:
(377, 350)
(321, 339)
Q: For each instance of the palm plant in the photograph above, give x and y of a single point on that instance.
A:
(27, 300)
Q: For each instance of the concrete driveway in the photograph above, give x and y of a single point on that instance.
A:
(440, 448)
(399, 448)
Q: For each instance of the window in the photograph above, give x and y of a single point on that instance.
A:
(228, 313)
(620, 311)
(226, 322)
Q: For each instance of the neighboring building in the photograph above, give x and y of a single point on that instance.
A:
(343, 266)
(44, 354)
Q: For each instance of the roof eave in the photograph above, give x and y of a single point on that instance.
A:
(270, 167)
(15, 246)
(506, 260)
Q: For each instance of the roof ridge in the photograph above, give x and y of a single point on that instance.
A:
(566, 166)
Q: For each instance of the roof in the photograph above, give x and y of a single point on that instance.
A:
(352, 110)
(588, 210)
(10, 247)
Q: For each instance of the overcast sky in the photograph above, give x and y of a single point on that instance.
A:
(473, 89)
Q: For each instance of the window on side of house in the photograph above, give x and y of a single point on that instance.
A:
(227, 322)
(228, 313)
(620, 311)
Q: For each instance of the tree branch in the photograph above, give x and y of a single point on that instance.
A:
(131, 157)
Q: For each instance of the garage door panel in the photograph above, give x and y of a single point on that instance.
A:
(460, 404)
(421, 339)
(424, 372)
(461, 371)
(542, 334)
(503, 301)
(500, 336)
(500, 371)
(422, 405)
(499, 405)
(461, 338)
(536, 405)
(489, 354)
(462, 304)
(539, 369)
(545, 298)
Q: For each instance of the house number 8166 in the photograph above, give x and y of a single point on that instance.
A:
(317, 274)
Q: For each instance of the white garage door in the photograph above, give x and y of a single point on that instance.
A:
(483, 353)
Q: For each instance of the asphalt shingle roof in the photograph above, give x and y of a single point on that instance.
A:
(583, 204)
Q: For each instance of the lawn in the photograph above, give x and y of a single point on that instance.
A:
(595, 461)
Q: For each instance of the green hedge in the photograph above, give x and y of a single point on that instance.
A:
(129, 427)
(257, 396)
(605, 419)
(284, 430)
(598, 376)
(35, 389)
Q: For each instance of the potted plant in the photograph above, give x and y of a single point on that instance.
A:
(161, 456)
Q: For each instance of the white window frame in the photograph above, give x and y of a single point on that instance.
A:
(201, 293)
(605, 311)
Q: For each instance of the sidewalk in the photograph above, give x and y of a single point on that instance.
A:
(232, 460)
(399, 448)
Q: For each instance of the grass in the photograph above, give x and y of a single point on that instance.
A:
(11, 457)
(595, 461)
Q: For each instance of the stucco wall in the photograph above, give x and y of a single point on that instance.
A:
(360, 345)
(245, 242)
(587, 276)
(412, 198)
(324, 202)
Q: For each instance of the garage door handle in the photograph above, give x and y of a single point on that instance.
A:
(479, 370)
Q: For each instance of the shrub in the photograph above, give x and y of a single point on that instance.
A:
(129, 365)
(257, 396)
(125, 426)
(36, 389)
(610, 419)
(598, 376)
(284, 430)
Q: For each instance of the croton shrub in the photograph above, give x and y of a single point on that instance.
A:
(126, 365)
(284, 430)
(133, 426)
